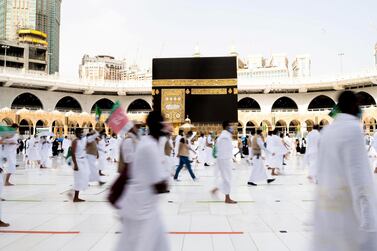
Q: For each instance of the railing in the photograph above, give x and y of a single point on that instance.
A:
(31, 108)
(319, 110)
(284, 110)
(139, 112)
(248, 110)
(42, 79)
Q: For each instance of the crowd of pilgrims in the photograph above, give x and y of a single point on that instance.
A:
(148, 162)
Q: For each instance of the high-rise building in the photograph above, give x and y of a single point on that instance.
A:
(255, 61)
(276, 67)
(301, 66)
(108, 68)
(15, 15)
(279, 61)
(28, 56)
(102, 68)
(40, 15)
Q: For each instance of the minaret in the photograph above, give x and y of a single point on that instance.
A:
(233, 51)
(197, 53)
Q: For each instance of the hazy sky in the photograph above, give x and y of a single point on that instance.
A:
(139, 30)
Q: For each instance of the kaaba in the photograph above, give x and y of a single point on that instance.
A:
(203, 89)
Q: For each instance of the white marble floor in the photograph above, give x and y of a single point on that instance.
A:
(267, 217)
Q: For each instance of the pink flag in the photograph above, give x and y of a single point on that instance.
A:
(117, 119)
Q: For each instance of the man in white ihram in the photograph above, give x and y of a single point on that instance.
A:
(345, 215)
(143, 228)
(311, 154)
(66, 145)
(224, 161)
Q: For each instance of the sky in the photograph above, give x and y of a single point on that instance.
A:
(139, 30)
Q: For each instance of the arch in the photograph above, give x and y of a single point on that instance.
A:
(248, 104)
(294, 126)
(72, 125)
(309, 125)
(87, 125)
(139, 105)
(68, 103)
(104, 104)
(323, 123)
(365, 99)
(281, 126)
(321, 102)
(26, 127)
(100, 126)
(284, 103)
(251, 127)
(41, 124)
(7, 121)
(57, 127)
(372, 125)
(239, 128)
(266, 126)
(27, 100)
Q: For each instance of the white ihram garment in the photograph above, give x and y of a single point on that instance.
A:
(167, 161)
(65, 145)
(114, 149)
(311, 154)
(33, 152)
(268, 153)
(81, 177)
(143, 229)
(208, 150)
(10, 152)
(258, 171)
(45, 148)
(345, 215)
(92, 166)
(278, 148)
(101, 146)
(224, 160)
(92, 160)
(201, 149)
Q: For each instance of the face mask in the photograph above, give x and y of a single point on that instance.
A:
(231, 130)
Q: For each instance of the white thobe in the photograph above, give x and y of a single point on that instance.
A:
(92, 160)
(33, 152)
(128, 148)
(311, 154)
(114, 148)
(10, 152)
(278, 149)
(224, 160)
(81, 177)
(345, 215)
(143, 229)
(66, 145)
(44, 153)
(208, 149)
(268, 153)
(167, 161)
(258, 171)
(101, 146)
(201, 149)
